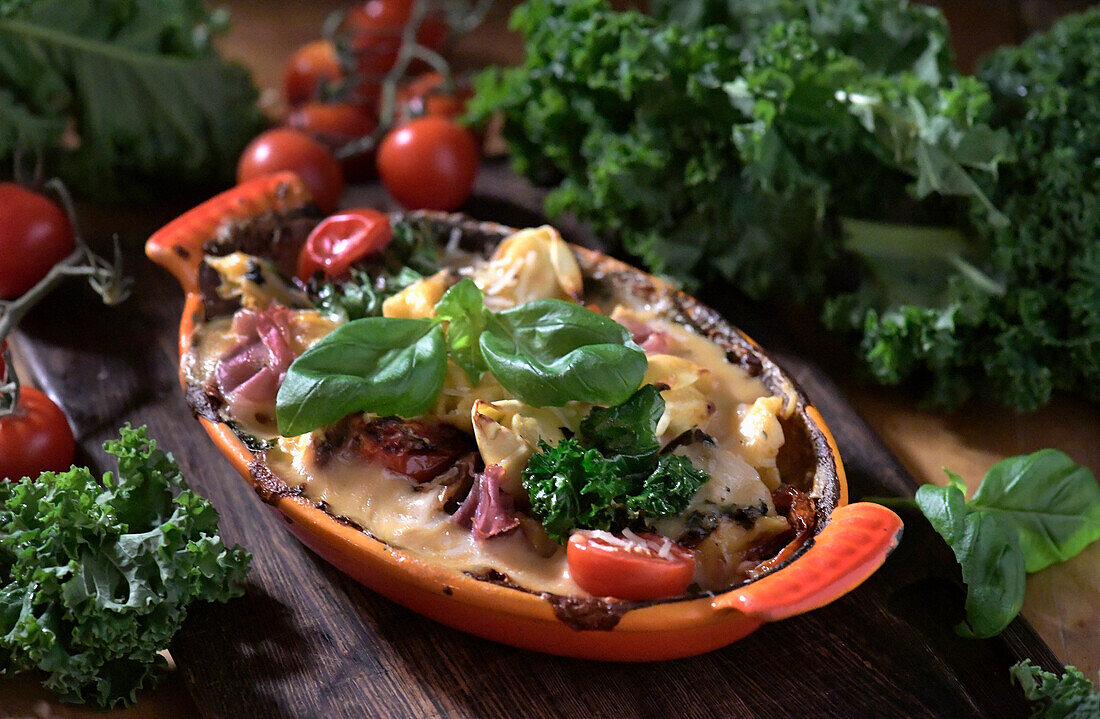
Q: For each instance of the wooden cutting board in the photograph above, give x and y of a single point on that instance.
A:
(305, 641)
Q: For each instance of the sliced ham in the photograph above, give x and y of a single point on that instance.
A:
(250, 374)
(488, 510)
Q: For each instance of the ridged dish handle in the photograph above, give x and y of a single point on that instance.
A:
(852, 546)
(178, 245)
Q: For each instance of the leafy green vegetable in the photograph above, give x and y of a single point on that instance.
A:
(1029, 512)
(592, 485)
(128, 96)
(1038, 329)
(463, 307)
(549, 352)
(1070, 696)
(363, 293)
(988, 553)
(96, 576)
(827, 152)
(1052, 502)
(546, 352)
(378, 364)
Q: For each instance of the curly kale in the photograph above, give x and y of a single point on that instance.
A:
(96, 574)
(1070, 696)
(1028, 323)
(612, 477)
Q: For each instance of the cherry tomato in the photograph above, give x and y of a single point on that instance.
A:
(311, 65)
(342, 240)
(286, 149)
(35, 235)
(375, 27)
(614, 566)
(422, 96)
(337, 124)
(35, 438)
(428, 163)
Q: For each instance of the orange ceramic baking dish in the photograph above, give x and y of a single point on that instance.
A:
(852, 540)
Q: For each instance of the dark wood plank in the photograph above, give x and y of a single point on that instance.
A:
(306, 641)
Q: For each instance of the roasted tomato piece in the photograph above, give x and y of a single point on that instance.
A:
(420, 450)
(631, 565)
(342, 240)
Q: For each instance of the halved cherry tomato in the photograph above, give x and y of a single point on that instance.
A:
(285, 149)
(311, 66)
(35, 234)
(428, 164)
(376, 26)
(423, 96)
(35, 438)
(342, 240)
(627, 568)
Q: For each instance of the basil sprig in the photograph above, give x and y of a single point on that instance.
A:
(545, 353)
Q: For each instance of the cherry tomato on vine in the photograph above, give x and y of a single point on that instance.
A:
(627, 568)
(309, 67)
(376, 26)
(428, 163)
(423, 96)
(35, 234)
(336, 124)
(35, 438)
(286, 149)
(341, 240)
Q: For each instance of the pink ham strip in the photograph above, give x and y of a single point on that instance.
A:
(256, 366)
(488, 510)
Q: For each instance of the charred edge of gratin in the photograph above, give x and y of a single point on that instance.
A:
(267, 484)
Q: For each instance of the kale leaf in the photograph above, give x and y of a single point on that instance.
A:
(129, 97)
(612, 477)
(96, 575)
(1070, 696)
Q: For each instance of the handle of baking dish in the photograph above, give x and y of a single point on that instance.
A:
(852, 546)
(178, 245)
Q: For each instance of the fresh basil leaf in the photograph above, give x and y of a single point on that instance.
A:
(629, 428)
(463, 307)
(988, 553)
(550, 352)
(378, 364)
(1050, 500)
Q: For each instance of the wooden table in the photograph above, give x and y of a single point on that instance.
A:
(1063, 602)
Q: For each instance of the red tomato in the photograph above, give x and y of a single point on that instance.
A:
(35, 235)
(311, 65)
(376, 26)
(342, 240)
(285, 149)
(422, 96)
(628, 568)
(35, 438)
(337, 124)
(428, 163)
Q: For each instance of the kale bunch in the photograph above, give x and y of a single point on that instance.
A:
(1028, 323)
(96, 575)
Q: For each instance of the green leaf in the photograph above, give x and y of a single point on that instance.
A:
(550, 352)
(1050, 500)
(988, 553)
(1070, 696)
(148, 102)
(463, 307)
(382, 365)
(629, 428)
(96, 574)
